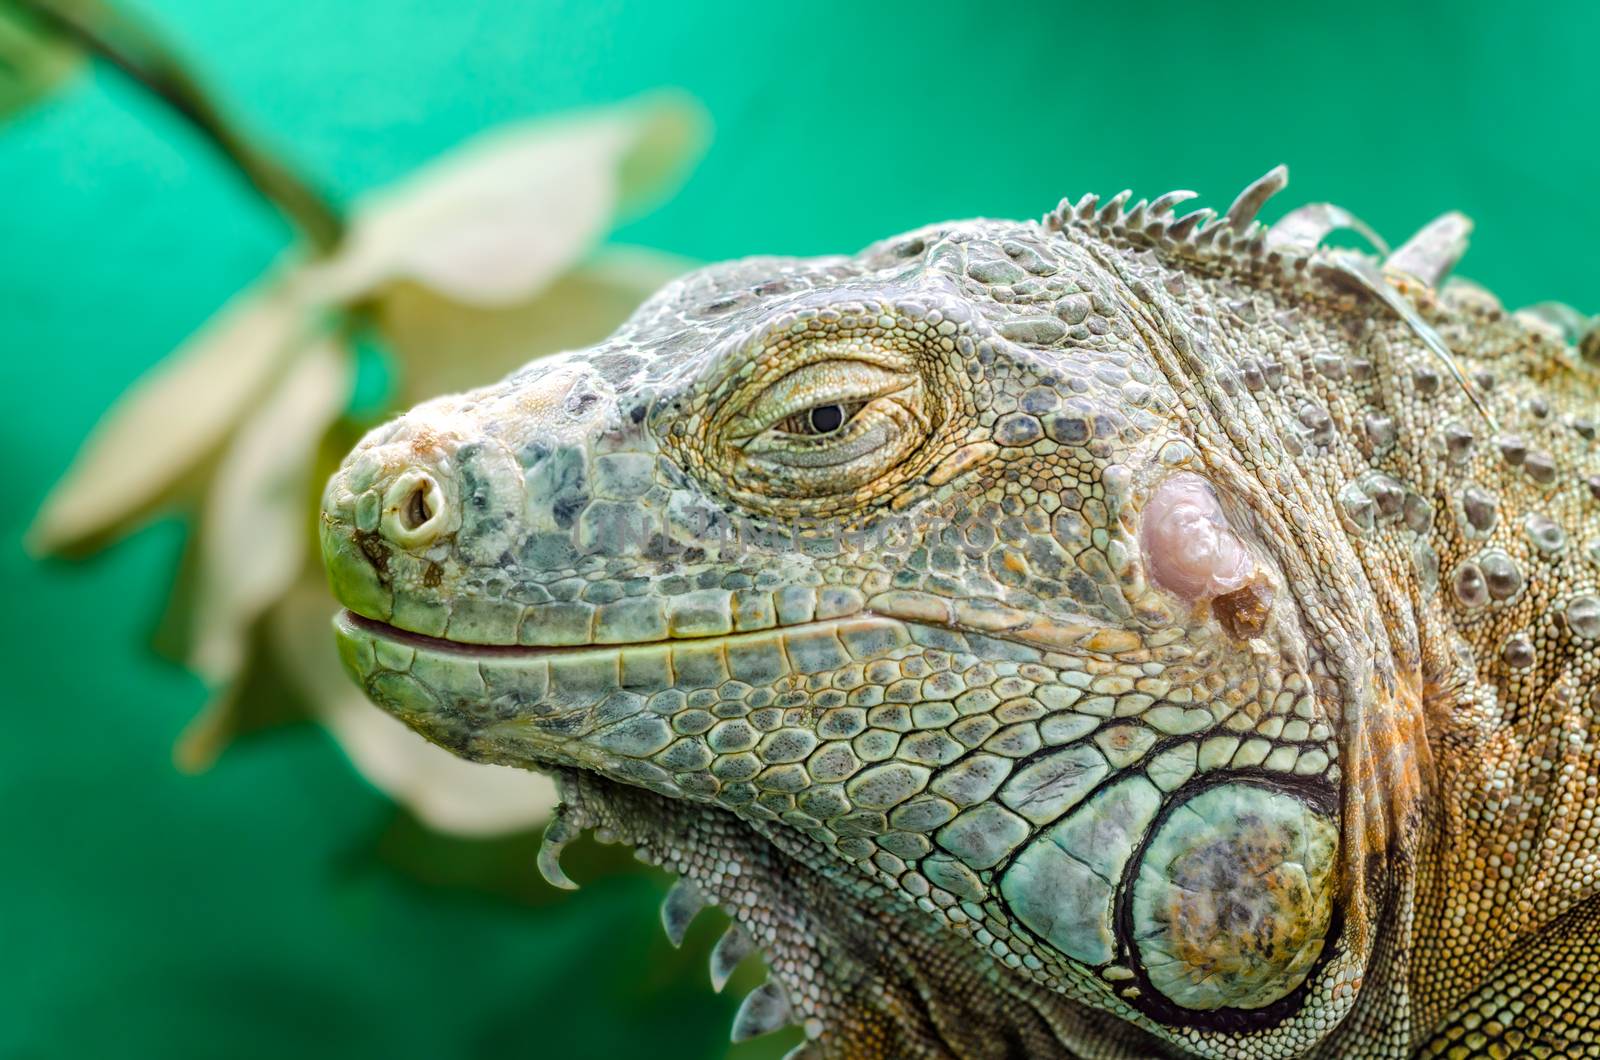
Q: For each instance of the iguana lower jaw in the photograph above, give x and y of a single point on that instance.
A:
(536, 707)
(1089, 638)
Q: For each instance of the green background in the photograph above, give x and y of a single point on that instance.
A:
(276, 905)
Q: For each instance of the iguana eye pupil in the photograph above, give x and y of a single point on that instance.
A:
(826, 419)
(820, 419)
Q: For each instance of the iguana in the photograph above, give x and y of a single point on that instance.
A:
(1123, 635)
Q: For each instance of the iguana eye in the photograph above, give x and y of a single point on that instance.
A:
(827, 427)
(821, 419)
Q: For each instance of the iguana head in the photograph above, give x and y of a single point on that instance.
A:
(950, 613)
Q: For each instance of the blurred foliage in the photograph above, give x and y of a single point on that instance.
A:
(33, 60)
(475, 264)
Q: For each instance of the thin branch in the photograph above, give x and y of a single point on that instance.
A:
(119, 39)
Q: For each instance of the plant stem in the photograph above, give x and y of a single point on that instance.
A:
(116, 37)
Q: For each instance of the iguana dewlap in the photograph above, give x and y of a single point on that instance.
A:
(1124, 635)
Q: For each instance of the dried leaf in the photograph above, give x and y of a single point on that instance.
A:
(445, 346)
(448, 793)
(172, 421)
(496, 220)
(33, 61)
(254, 526)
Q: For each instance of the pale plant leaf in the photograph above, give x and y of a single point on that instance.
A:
(445, 346)
(448, 793)
(497, 219)
(259, 698)
(255, 521)
(669, 137)
(33, 61)
(173, 421)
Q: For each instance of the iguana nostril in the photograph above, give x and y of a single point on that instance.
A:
(416, 511)
(413, 509)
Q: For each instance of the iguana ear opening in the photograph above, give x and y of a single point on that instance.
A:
(1189, 546)
(1192, 551)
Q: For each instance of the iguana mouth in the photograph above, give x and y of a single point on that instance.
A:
(350, 622)
(613, 706)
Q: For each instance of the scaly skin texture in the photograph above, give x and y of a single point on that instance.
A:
(1124, 635)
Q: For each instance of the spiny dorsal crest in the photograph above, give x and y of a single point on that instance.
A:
(1427, 256)
(1292, 248)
